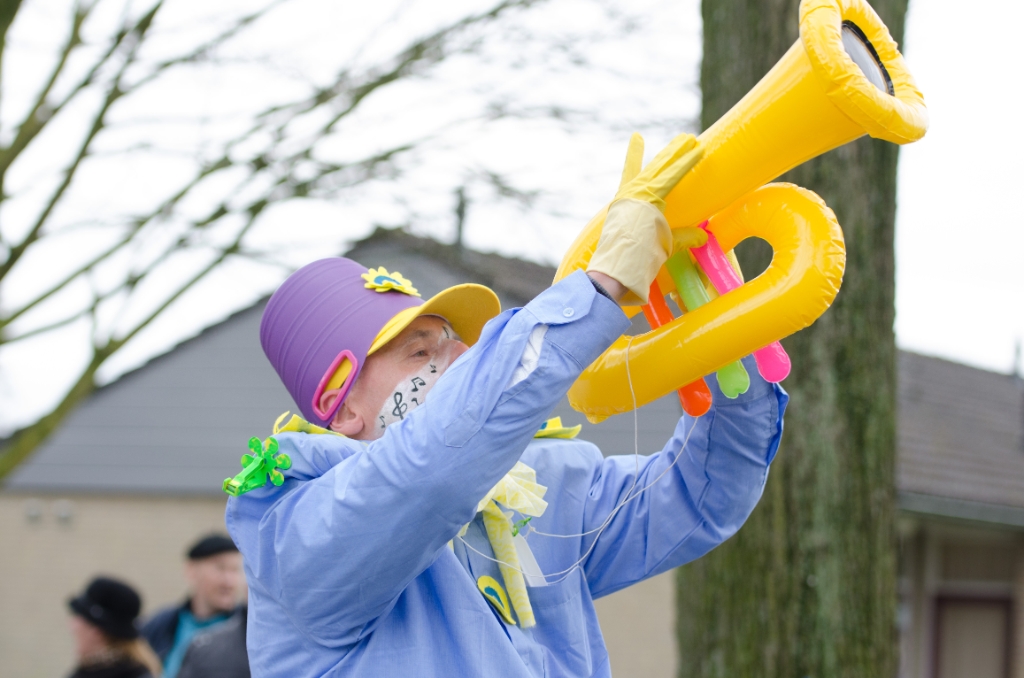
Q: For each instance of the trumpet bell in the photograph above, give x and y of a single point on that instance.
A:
(823, 93)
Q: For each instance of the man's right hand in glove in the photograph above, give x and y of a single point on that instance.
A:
(635, 239)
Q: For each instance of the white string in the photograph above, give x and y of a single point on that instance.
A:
(586, 555)
(630, 496)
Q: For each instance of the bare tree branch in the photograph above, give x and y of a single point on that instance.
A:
(232, 249)
(64, 322)
(62, 284)
(204, 50)
(34, 122)
(40, 113)
(285, 167)
(113, 93)
(23, 442)
(8, 10)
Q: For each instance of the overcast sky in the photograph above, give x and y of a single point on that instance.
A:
(959, 238)
(959, 230)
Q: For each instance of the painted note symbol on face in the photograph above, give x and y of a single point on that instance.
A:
(382, 424)
(400, 407)
(433, 369)
(416, 383)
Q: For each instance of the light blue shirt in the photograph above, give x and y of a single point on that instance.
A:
(348, 565)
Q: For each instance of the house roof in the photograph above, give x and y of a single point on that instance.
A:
(179, 424)
(960, 440)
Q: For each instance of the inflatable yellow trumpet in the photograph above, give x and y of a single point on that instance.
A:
(842, 79)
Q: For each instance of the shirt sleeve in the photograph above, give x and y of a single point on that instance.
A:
(688, 507)
(337, 551)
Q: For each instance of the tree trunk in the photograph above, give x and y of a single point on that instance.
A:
(808, 586)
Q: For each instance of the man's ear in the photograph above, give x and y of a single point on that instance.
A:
(346, 421)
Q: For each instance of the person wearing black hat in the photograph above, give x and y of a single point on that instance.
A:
(213, 570)
(107, 642)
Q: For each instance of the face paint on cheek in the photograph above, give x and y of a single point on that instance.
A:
(410, 392)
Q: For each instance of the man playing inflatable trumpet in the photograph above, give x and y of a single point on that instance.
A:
(393, 540)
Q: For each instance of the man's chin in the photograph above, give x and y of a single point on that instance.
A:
(226, 606)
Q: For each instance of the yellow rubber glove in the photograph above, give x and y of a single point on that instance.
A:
(635, 239)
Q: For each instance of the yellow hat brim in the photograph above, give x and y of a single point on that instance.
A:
(467, 308)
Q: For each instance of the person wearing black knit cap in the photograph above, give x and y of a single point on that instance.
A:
(213, 570)
(107, 642)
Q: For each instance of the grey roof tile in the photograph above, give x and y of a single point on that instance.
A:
(961, 432)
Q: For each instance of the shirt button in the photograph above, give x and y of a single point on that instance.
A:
(568, 313)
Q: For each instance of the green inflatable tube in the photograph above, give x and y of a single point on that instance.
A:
(733, 378)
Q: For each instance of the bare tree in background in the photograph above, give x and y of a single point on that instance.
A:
(808, 586)
(268, 162)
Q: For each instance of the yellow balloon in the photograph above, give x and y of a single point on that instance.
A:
(814, 99)
(843, 78)
(797, 287)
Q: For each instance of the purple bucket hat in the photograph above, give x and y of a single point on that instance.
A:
(326, 316)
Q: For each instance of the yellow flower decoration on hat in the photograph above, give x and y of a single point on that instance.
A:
(382, 281)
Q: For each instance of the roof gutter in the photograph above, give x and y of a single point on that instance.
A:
(960, 509)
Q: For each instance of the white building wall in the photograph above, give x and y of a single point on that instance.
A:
(53, 545)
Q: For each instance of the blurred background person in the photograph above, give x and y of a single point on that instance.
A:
(213, 571)
(107, 642)
(219, 653)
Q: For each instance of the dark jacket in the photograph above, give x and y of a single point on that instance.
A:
(159, 630)
(219, 653)
(126, 668)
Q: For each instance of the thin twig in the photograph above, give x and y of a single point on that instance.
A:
(43, 329)
(35, 120)
(8, 158)
(114, 92)
(66, 280)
